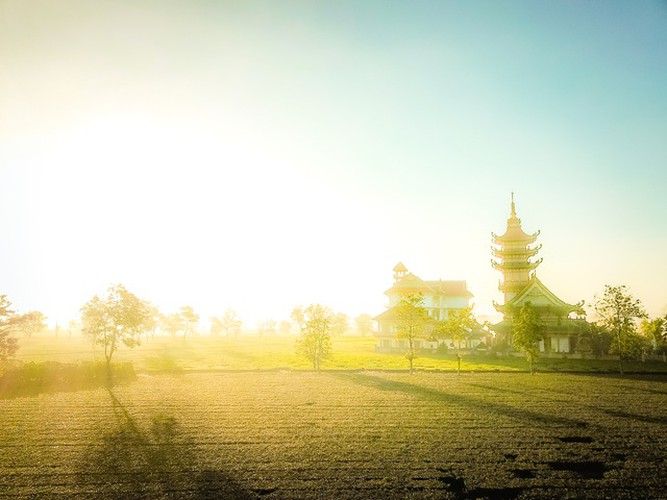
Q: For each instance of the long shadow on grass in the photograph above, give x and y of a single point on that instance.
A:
(596, 407)
(157, 460)
(446, 397)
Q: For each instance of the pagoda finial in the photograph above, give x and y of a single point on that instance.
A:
(513, 208)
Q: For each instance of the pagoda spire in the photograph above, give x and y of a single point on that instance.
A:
(514, 253)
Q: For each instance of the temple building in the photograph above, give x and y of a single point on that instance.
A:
(439, 299)
(514, 253)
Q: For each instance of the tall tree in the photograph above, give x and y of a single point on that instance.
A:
(315, 340)
(618, 311)
(117, 318)
(527, 331)
(413, 322)
(458, 326)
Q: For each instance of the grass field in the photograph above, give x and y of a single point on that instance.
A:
(342, 435)
(257, 353)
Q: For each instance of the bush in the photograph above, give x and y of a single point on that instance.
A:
(30, 379)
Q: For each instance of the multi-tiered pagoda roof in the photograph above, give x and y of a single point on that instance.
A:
(514, 253)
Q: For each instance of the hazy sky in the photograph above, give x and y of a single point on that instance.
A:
(263, 154)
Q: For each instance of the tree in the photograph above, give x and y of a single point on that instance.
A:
(153, 320)
(656, 331)
(364, 324)
(216, 326)
(8, 326)
(190, 320)
(266, 327)
(117, 318)
(527, 331)
(298, 315)
(32, 322)
(12, 324)
(618, 312)
(231, 322)
(285, 327)
(458, 326)
(412, 321)
(339, 324)
(172, 323)
(315, 340)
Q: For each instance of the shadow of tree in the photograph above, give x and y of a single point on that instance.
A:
(460, 399)
(157, 460)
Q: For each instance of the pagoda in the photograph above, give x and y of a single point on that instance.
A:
(514, 253)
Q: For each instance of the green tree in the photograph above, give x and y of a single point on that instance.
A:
(315, 340)
(618, 311)
(412, 322)
(656, 331)
(117, 318)
(8, 327)
(458, 326)
(364, 324)
(527, 331)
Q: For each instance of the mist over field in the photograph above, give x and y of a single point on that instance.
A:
(301, 249)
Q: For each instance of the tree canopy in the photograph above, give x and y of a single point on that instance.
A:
(413, 322)
(458, 326)
(527, 331)
(12, 324)
(119, 317)
(315, 322)
(618, 312)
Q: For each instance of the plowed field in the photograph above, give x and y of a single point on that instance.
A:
(342, 435)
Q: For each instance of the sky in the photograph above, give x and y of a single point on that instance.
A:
(258, 155)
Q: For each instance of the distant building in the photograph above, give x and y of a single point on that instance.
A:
(515, 252)
(440, 298)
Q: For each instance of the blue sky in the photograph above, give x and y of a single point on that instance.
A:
(259, 155)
